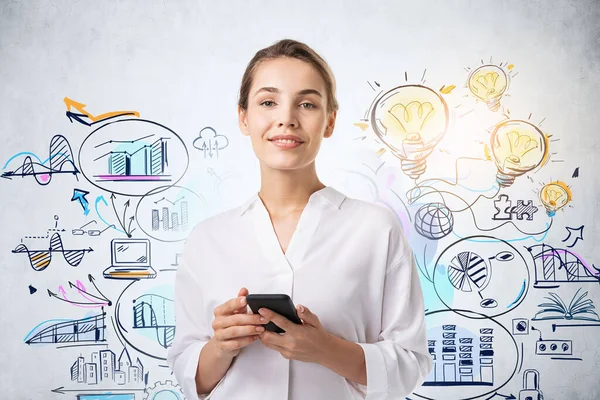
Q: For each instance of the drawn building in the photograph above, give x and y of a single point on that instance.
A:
(104, 367)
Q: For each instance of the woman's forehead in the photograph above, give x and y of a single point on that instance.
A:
(287, 76)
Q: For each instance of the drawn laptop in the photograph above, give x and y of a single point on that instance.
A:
(130, 260)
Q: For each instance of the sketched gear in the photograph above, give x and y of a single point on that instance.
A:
(164, 391)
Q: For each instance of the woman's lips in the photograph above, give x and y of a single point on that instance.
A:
(285, 144)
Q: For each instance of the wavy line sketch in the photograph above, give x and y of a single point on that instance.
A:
(132, 156)
(84, 330)
(59, 161)
(554, 266)
(152, 311)
(85, 118)
(145, 315)
(209, 141)
(40, 259)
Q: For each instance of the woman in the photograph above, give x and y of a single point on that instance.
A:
(344, 262)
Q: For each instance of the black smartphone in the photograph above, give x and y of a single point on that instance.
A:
(280, 303)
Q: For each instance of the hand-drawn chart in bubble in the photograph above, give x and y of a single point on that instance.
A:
(133, 156)
(466, 360)
(483, 274)
(145, 315)
(169, 214)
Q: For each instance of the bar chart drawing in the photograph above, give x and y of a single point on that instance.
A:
(131, 157)
(166, 219)
(168, 215)
(467, 362)
(137, 160)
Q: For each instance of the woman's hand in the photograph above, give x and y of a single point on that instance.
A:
(306, 342)
(234, 327)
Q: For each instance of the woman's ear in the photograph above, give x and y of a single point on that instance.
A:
(330, 124)
(243, 121)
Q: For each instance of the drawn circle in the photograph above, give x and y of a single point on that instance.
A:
(434, 221)
(131, 157)
(467, 275)
(169, 213)
(145, 315)
(474, 355)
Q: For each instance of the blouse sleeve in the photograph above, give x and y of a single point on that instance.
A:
(192, 331)
(399, 362)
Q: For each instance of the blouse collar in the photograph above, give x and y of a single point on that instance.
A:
(331, 196)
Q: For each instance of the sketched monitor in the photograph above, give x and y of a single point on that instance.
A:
(130, 259)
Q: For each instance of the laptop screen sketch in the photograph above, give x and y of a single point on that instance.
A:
(130, 259)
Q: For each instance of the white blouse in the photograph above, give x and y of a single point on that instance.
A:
(347, 261)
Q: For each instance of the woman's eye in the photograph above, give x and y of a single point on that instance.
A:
(266, 101)
(308, 104)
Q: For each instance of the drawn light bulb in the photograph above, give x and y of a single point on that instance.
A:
(410, 120)
(518, 147)
(555, 196)
(488, 83)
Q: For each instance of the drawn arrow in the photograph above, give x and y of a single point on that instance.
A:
(83, 292)
(81, 112)
(129, 227)
(62, 390)
(579, 233)
(93, 282)
(79, 195)
(102, 199)
(64, 294)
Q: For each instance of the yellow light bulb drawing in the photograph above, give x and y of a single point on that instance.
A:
(555, 196)
(410, 120)
(518, 147)
(488, 83)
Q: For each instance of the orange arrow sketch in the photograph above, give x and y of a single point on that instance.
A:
(80, 108)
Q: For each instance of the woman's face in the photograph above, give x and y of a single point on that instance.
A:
(287, 97)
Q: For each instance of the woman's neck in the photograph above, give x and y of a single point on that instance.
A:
(287, 191)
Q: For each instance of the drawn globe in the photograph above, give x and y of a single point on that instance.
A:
(434, 221)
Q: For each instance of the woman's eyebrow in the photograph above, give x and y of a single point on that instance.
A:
(271, 89)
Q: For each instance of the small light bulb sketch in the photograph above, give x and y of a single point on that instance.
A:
(517, 147)
(554, 196)
(488, 83)
(209, 142)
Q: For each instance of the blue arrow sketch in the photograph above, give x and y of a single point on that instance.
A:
(79, 195)
(102, 199)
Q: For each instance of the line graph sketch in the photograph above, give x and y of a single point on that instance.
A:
(152, 311)
(132, 156)
(40, 258)
(60, 161)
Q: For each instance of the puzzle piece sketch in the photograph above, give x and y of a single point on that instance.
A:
(504, 207)
(522, 209)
